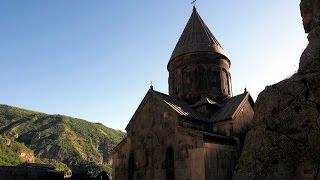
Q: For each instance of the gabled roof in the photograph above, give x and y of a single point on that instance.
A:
(231, 106)
(181, 107)
(121, 143)
(197, 37)
(204, 101)
(227, 110)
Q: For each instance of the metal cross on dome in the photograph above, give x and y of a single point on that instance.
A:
(194, 2)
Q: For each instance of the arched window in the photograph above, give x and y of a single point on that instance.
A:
(225, 82)
(179, 81)
(169, 164)
(202, 79)
(131, 167)
(230, 84)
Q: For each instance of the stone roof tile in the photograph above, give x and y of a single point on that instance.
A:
(226, 111)
(197, 37)
(230, 107)
(180, 107)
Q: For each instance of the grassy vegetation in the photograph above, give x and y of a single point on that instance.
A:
(10, 150)
(59, 166)
(75, 142)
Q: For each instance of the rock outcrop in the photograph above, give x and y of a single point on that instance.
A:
(284, 142)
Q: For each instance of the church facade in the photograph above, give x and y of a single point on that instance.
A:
(197, 131)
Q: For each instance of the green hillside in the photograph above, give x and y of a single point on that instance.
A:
(82, 145)
(14, 153)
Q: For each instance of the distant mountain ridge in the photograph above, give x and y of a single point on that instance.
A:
(83, 146)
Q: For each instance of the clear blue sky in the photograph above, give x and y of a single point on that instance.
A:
(94, 59)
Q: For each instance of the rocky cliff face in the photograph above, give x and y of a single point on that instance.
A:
(284, 142)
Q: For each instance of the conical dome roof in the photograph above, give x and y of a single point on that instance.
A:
(197, 37)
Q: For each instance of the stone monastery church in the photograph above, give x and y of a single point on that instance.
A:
(197, 131)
